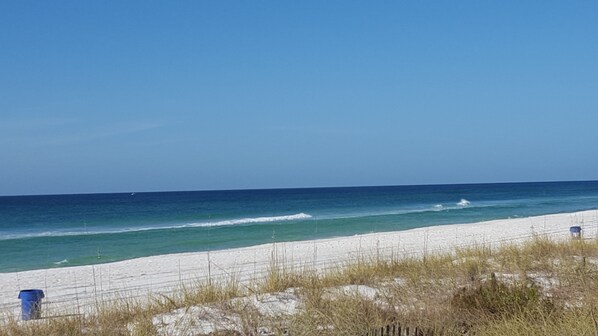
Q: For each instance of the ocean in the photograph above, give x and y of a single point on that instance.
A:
(50, 231)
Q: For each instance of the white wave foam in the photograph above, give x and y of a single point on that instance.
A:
(463, 203)
(62, 262)
(438, 207)
(299, 216)
(41, 234)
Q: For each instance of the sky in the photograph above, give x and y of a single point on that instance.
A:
(111, 96)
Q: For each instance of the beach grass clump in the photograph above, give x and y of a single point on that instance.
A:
(339, 315)
(278, 278)
(207, 291)
(579, 321)
(494, 299)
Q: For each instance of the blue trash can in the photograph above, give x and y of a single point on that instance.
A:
(31, 303)
(575, 231)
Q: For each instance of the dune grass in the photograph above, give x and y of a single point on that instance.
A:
(542, 287)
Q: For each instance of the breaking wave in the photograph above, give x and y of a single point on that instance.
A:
(299, 216)
(463, 203)
(241, 221)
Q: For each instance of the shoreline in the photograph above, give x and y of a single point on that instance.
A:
(77, 289)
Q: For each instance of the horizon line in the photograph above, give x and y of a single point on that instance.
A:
(296, 188)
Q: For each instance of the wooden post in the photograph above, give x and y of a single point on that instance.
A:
(396, 329)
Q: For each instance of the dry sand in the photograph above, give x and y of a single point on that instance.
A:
(72, 290)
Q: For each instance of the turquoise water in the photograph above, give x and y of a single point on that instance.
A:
(67, 230)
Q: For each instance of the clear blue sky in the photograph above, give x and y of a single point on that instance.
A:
(101, 96)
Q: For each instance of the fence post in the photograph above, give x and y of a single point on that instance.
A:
(396, 329)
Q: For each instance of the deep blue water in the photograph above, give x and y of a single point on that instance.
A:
(67, 230)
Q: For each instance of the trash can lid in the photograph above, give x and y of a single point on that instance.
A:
(31, 293)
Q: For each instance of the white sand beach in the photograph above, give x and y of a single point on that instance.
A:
(72, 290)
